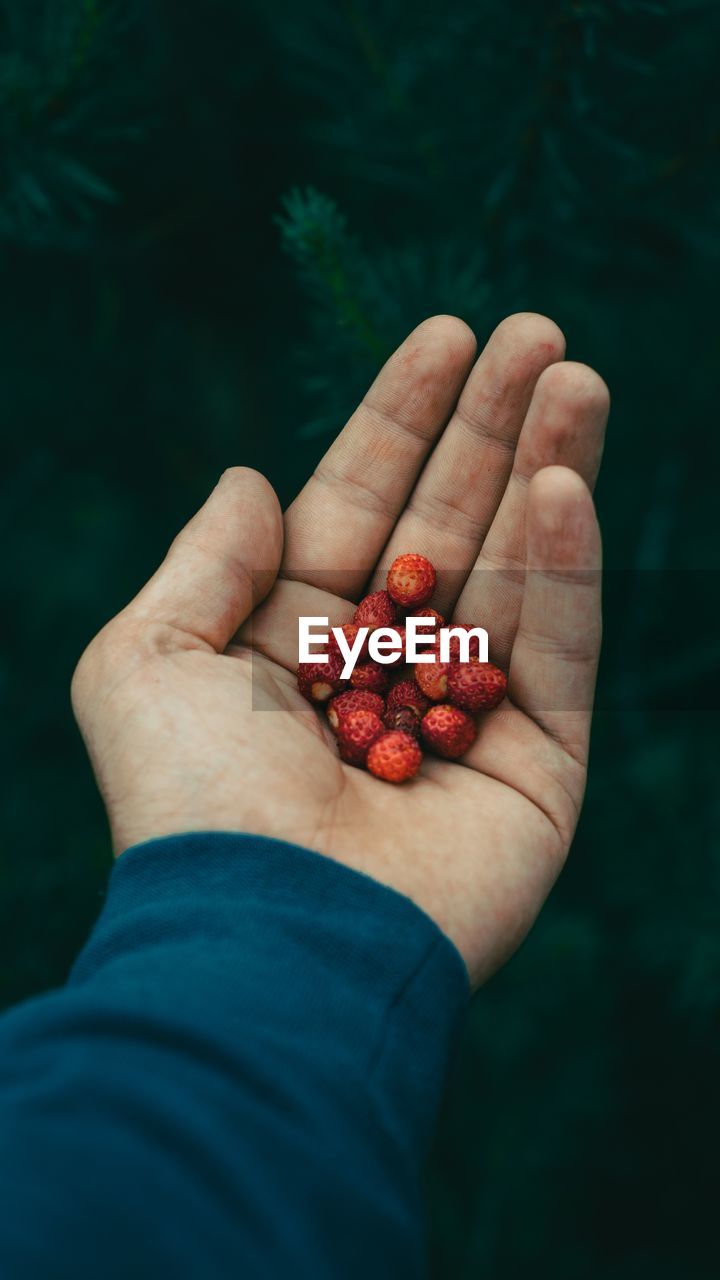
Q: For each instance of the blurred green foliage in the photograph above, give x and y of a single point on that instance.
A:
(215, 224)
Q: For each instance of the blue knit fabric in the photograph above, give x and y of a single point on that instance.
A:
(239, 1080)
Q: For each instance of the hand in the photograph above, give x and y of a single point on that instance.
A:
(194, 724)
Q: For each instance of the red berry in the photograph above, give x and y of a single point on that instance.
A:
(476, 686)
(371, 676)
(403, 718)
(375, 610)
(474, 648)
(318, 681)
(410, 580)
(398, 658)
(356, 733)
(433, 676)
(350, 631)
(353, 700)
(394, 757)
(408, 695)
(429, 613)
(448, 731)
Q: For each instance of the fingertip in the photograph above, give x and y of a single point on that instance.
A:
(239, 480)
(576, 382)
(531, 329)
(242, 485)
(424, 376)
(446, 333)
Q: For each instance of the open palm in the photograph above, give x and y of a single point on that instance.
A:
(188, 702)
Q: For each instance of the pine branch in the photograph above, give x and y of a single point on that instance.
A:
(65, 91)
(314, 233)
(363, 302)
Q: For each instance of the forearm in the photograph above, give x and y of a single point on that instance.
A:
(241, 1076)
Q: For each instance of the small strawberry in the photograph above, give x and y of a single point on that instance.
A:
(350, 631)
(411, 580)
(408, 695)
(476, 686)
(318, 681)
(398, 659)
(448, 731)
(356, 733)
(429, 613)
(474, 648)
(353, 700)
(371, 676)
(433, 676)
(375, 610)
(403, 718)
(394, 757)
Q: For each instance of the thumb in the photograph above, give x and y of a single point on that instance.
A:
(221, 565)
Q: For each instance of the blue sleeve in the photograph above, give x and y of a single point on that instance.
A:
(239, 1080)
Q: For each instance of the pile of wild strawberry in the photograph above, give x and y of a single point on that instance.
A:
(385, 711)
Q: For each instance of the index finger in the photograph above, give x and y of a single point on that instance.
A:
(337, 526)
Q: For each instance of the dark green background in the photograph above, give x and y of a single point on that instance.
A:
(157, 324)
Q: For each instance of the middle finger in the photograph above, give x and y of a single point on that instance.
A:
(462, 484)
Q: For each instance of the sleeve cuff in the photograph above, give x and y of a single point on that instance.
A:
(300, 948)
